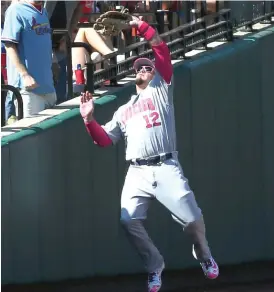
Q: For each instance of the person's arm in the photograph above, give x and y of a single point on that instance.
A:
(102, 135)
(11, 38)
(161, 52)
(97, 133)
(12, 53)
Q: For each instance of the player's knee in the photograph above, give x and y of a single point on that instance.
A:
(128, 218)
(125, 218)
(187, 210)
(190, 220)
(125, 221)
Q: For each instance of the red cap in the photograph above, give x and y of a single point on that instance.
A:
(143, 62)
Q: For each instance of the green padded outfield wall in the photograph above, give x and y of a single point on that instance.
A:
(61, 194)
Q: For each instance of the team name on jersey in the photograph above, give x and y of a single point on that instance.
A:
(140, 106)
(40, 28)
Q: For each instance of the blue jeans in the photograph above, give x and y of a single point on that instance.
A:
(9, 106)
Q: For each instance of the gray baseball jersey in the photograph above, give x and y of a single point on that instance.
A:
(146, 122)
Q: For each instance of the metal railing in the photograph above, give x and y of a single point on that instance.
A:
(245, 14)
(194, 26)
(201, 28)
(159, 15)
(16, 95)
(182, 39)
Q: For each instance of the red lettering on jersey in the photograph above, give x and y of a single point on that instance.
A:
(126, 115)
(136, 108)
(152, 120)
(129, 111)
(150, 104)
(144, 105)
(123, 117)
(140, 107)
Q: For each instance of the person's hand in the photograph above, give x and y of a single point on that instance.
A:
(135, 21)
(29, 82)
(86, 106)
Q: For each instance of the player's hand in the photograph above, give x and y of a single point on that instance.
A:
(135, 21)
(86, 106)
(29, 82)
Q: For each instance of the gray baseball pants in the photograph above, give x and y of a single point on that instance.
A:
(166, 183)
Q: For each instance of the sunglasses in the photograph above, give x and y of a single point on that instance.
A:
(144, 69)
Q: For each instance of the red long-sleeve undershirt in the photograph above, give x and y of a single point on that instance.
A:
(161, 52)
(98, 134)
(163, 66)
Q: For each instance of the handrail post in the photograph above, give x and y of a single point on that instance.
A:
(90, 77)
(160, 18)
(69, 67)
(17, 95)
(113, 63)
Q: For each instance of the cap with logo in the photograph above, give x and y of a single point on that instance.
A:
(143, 62)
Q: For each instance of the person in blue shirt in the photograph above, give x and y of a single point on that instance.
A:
(27, 38)
(4, 112)
(7, 105)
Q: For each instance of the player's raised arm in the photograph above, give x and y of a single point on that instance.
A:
(161, 52)
(96, 131)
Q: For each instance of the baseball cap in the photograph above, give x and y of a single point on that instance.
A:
(143, 62)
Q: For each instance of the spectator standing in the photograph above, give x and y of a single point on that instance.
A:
(62, 15)
(27, 38)
(8, 115)
(66, 15)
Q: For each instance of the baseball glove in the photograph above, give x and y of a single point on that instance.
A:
(112, 22)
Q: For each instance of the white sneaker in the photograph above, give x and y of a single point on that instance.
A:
(210, 268)
(154, 280)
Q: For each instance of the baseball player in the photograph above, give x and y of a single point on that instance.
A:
(147, 124)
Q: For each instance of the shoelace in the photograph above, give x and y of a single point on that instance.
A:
(153, 277)
(208, 263)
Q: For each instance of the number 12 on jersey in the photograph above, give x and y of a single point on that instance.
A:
(152, 120)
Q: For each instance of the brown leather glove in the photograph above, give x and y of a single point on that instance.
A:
(112, 22)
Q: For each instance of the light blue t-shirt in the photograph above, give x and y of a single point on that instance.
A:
(30, 29)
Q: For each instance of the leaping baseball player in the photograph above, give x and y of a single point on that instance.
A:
(147, 124)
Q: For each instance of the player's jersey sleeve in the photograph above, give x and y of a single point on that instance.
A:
(13, 25)
(163, 61)
(113, 129)
(159, 81)
(163, 90)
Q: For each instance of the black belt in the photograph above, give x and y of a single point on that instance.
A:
(152, 160)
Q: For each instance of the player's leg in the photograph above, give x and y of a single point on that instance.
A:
(200, 249)
(175, 194)
(135, 200)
